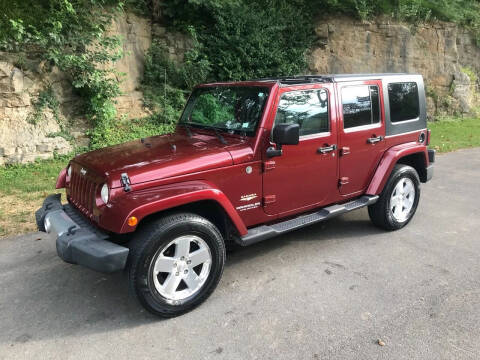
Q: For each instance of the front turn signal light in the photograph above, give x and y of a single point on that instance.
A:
(132, 221)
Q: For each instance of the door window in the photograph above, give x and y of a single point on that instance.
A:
(361, 105)
(307, 108)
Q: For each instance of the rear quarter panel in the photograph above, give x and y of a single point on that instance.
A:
(389, 159)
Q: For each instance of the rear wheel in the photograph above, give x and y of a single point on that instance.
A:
(175, 263)
(399, 199)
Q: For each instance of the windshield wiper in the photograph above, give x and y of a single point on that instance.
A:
(220, 137)
(205, 127)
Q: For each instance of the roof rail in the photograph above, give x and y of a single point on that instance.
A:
(299, 79)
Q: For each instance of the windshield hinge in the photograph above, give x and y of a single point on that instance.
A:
(125, 180)
(219, 136)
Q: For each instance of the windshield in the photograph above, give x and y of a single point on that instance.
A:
(234, 109)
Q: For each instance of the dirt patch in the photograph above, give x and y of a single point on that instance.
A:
(17, 212)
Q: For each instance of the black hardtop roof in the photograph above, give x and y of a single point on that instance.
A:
(303, 79)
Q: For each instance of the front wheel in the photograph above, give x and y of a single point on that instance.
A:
(175, 263)
(399, 199)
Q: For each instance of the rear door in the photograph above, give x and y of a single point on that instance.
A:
(305, 175)
(361, 133)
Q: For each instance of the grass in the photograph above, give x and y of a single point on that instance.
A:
(23, 187)
(22, 190)
(451, 134)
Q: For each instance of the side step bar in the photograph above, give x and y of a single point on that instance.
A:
(264, 232)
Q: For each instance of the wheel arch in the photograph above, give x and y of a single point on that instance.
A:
(209, 209)
(411, 154)
(197, 197)
(416, 161)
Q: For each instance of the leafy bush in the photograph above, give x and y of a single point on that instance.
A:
(247, 39)
(46, 100)
(166, 84)
(162, 86)
(131, 130)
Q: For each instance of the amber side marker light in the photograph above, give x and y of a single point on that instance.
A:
(132, 221)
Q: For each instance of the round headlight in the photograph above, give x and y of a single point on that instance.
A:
(104, 193)
(69, 171)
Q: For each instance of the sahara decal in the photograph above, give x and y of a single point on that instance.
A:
(248, 197)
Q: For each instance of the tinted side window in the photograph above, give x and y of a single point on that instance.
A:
(308, 108)
(361, 105)
(404, 103)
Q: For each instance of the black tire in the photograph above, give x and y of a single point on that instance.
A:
(380, 212)
(151, 240)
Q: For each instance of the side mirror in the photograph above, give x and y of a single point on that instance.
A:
(284, 134)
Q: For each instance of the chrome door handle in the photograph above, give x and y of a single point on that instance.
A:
(374, 140)
(326, 149)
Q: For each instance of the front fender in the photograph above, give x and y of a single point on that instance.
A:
(388, 161)
(62, 176)
(145, 202)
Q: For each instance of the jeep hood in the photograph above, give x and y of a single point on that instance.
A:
(160, 157)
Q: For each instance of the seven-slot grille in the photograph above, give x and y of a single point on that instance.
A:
(82, 191)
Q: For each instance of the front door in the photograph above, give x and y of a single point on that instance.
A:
(305, 175)
(361, 134)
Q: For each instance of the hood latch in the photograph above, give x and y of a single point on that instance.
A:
(125, 180)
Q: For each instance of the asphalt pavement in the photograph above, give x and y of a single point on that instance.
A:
(330, 291)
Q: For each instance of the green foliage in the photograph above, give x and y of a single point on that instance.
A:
(166, 84)
(159, 69)
(62, 133)
(161, 86)
(46, 100)
(463, 12)
(247, 39)
(131, 130)
(471, 74)
(139, 7)
(196, 66)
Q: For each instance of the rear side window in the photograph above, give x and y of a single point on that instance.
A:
(404, 103)
(307, 108)
(361, 105)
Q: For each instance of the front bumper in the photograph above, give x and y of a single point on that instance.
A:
(77, 240)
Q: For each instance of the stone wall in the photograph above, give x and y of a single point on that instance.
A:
(136, 35)
(438, 51)
(22, 141)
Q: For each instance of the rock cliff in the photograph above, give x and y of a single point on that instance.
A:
(442, 52)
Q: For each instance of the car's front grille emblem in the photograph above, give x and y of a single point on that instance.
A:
(83, 171)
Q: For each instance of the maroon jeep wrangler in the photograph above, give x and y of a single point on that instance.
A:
(248, 161)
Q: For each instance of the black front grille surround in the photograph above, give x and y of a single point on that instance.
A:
(82, 190)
